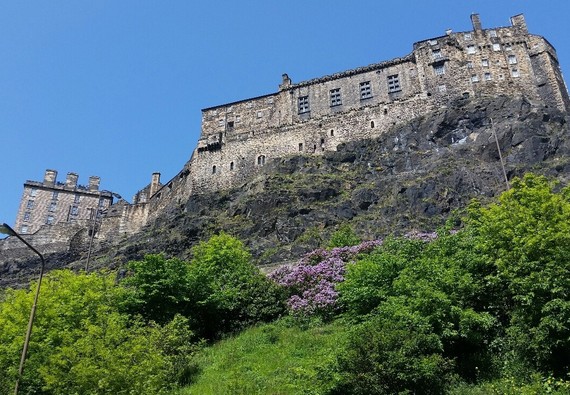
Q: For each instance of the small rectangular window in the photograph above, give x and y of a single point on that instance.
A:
(474, 78)
(34, 192)
(27, 216)
(52, 206)
(54, 195)
(365, 90)
(259, 114)
(30, 204)
(394, 83)
(76, 198)
(436, 53)
(512, 59)
(442, 88)
(469, 65)
(300, 147)
(492, 33)
(487, 76)
(485, 62)
(432, 42)
(515, 73)
(439, 69)
(471, 49)
(303, 104)
(335, 97)
(74, 210)
(49, 219)
(467, 36)
(496, 47)
(24, 229)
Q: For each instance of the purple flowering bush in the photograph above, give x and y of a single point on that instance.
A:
(311, 282)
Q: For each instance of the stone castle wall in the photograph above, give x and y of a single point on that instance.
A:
(313, 116)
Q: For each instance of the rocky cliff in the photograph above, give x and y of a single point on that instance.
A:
(411, 178)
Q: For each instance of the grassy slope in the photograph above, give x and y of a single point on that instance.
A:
(270, 359)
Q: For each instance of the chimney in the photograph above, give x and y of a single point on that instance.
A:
(154, 184)
(519, 22)
(71, 180)
(476, 22)
(50, 177)
(286, 82)
(94, 183)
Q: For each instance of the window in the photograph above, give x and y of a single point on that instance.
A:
(467, 36)
(487, 76)
(394, 83)
(101, 202)
(221, 122)
(34, 192)
(49, 219)
(474, 78)
(259, 114)
(332, 132)
(512, 59)
(230, 125)
(30, 204)
(238, 118)
(231, 165)
(303, 104)
(261, 160)
(469, 65)
(54, 195)
(214, 169)
(485, 62)
(300, 147)
(492, 33)
(372, 125)
(52, 206)
(335, 97)
(365, 90)
(471, 49)
(76, 198)
(439, 69)
(74, 210)
(436, 53)
(26, 216)
(496, 47)
(432, 42)
(24, 229)
(442, 88)
(515, 73)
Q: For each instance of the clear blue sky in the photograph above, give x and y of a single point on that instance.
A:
(114, 88)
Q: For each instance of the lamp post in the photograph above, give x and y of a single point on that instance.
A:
(7, 230)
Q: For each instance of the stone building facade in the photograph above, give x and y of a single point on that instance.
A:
(50, 202)
(313, 116)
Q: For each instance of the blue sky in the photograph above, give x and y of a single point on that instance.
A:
(114, 88)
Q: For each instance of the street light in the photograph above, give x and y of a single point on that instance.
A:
(7, 230)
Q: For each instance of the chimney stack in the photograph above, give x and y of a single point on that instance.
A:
(94, 182)
(154, 184)
(71, 180)
(519, 22)
(476, 22)
(50, 177)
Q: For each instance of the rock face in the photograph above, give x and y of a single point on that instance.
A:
(411, 178)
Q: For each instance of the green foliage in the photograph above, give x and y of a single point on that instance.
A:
(80, 344)
(396, 351)
(526, 237)
(227, 291)
(344, 236)
(271, 359)
(157, 288)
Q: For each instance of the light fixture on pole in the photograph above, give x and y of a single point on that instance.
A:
(7, 230)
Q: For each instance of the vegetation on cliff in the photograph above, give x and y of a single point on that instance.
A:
(481, 307)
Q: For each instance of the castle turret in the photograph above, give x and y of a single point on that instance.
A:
(154, 184)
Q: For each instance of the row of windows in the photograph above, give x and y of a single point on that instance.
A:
(469, 36)
(488, 77)
(393, 82)
(260, 162)
(471, 49)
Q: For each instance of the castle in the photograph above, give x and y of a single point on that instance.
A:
(314, 116)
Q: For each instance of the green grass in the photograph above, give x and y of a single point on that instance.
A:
(279, 358)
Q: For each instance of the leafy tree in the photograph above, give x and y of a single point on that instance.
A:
(526, 237)
(81, 344)
(227, 291)
(157, 288)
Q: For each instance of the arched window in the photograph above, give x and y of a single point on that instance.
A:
(371, 124)
(231, 165)
(214, 169)
(332, 132)
(261, 160)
